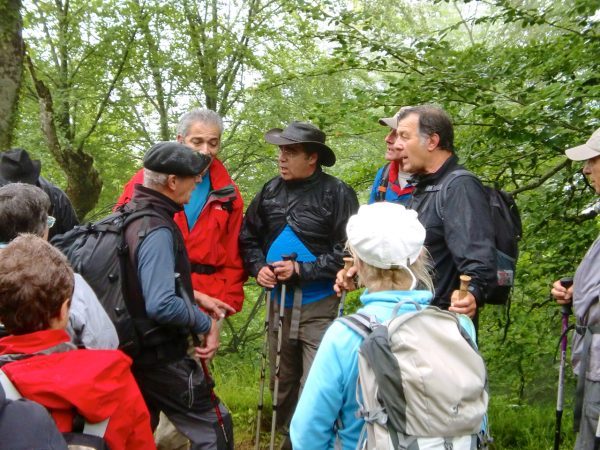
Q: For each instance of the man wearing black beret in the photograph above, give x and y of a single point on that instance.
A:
(169, 379)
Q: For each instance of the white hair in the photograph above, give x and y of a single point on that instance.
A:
(154, 179)
(203, 115)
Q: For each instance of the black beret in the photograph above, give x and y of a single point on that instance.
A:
(174, 158)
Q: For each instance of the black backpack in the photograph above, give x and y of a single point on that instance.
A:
(508, 231)
(99, 253)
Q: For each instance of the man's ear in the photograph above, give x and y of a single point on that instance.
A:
(64, 309)
(313, 158)
(172, 182)
(179, 139)
(433, 142)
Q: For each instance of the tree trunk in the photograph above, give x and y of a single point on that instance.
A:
(83, 180)
(11, 67)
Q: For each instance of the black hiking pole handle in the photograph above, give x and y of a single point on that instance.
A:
(291, 257)
(565, 282)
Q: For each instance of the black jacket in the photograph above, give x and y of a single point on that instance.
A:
(61, 208)
(462, 243)
(160, 343)
(316, 209)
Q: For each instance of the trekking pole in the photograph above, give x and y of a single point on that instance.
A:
(348, 263)
(292, 257)
(597, 437)
(566, 282)
(213, 399)
(198, 343)
(263, 366)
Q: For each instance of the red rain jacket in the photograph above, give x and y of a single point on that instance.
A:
(98, 383)
(213, 241)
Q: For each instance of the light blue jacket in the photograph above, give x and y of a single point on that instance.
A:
(328, 400)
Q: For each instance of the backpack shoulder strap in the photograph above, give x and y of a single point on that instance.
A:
(383, 182)
(440, 198)
(361, 323)
(11, 391)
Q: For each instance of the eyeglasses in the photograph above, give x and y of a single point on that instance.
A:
(50, 221)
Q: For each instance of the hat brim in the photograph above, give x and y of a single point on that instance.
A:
(28, 178)
(581, 153)
(326, 155)
(391, 122)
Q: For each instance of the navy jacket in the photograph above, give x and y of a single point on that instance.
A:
(461, 243)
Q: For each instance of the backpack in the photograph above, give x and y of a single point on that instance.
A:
(382, 187)
(99, 253)
(423, 383)
(85, 435)
(508, 231)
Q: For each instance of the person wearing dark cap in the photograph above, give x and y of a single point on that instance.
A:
(391, 182)
(211, 221)
(169, 379)
(302, 211)
(16, 166)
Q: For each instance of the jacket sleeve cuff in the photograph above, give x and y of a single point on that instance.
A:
(477, 293)
(203, 323)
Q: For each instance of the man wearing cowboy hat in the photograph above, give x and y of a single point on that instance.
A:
(302, 211)
(17, 167)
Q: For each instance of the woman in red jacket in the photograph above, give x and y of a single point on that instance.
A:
(36, 284)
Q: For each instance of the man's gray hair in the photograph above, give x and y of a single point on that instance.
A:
(203, 115)
(155, 179)
(23, 209)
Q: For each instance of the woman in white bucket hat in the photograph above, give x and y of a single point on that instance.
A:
(386, 241)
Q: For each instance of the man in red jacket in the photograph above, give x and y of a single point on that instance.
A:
(212, 219)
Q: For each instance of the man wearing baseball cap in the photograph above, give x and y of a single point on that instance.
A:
(302, 211)
(169, 379)
(584, 294)
(391, 182)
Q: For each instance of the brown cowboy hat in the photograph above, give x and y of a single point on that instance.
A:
(17, 167)
(303, 133)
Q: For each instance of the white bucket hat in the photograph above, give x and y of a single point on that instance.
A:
(589, 150)
(386, 235)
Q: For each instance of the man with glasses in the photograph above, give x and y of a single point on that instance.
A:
(24, 209)
(302, 211)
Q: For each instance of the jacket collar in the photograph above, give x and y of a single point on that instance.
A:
(417, 296)
(147, 196)
(449, 165)
(305, 182)
(36, 342)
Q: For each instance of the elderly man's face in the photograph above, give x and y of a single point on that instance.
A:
(294, 163)
(184, 187)
(592, 170)
(202, 137)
